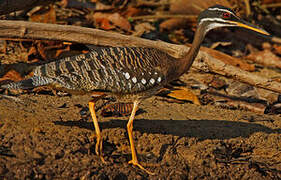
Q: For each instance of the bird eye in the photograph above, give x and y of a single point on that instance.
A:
(226, 15)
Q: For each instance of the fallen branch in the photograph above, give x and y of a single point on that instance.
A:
(207, 59)
(209, 63)
(31, 30)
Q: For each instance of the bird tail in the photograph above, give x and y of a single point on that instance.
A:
(30, 83)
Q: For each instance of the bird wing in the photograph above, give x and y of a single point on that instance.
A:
(114, 69)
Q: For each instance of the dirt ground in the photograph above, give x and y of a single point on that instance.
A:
(43, 136)
(51, 137)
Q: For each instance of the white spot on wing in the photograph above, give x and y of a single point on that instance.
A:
(129, 85)
(159, 79)
(143, 81)
(127, 75)
(134, 79)
(152, 81)
(139, 86)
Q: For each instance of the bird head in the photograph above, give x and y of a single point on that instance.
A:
(220, 16)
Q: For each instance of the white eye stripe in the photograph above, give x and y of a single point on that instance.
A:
(212, 19)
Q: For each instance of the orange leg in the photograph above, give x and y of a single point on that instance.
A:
(97, 128)
(134, 160)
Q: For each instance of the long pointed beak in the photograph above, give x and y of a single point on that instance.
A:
(252, 27)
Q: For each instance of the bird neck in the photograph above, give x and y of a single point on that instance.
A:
(188, 59)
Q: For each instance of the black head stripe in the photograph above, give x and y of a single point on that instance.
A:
(217, 12)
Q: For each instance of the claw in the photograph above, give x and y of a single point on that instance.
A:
(99, 149)
(136, 163)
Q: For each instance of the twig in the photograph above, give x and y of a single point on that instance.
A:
(208, 63)
(276, 40)
(31, 30)
(13, 39)
(207, 59)
(274, 5)
(11, 98)
(163, 16)
(152, 4)
(248, 8)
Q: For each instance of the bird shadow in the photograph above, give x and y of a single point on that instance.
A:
(201, 129)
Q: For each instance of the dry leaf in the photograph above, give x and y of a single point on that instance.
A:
(104, 24)
(131, 11)
(265, 57)
(277, 49)
(102, 7)
(120, 21)
(31, 51)
(173, 23)
(185, 95)
(142, 28)
(12, 75)
(59, 51)
(104, 20)
(41, 50)
(47, 16)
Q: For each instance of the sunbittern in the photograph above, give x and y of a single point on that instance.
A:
(128, 73)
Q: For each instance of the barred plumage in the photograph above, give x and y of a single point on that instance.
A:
(118, 70)
(133, 72)
(117, 109)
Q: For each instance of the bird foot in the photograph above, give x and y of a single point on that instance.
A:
(99, 152)
(102, 159)
(136, 163)
(98, 148)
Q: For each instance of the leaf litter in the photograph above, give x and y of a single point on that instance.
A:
(213, 140)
